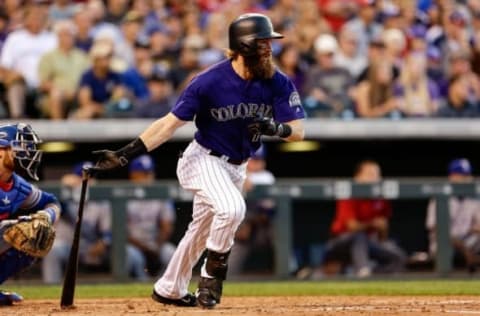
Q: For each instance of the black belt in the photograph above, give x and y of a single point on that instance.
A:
(226, 158)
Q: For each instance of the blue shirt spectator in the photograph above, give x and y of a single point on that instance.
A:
(101, 88)
(136, 83)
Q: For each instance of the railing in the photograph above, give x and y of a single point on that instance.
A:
(315, 128)
(284, 192)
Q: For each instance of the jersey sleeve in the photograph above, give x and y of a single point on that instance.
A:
(188, 103)
(287, 105)
(40, 200)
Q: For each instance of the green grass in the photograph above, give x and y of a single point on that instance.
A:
(396, 287)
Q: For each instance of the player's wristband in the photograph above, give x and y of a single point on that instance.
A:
(133, 149)
(50, 213)
(283, 130)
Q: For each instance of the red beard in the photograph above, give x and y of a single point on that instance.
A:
(261, 67)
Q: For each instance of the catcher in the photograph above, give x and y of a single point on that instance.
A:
(27, 214)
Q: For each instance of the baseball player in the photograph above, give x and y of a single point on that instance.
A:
(26, 213)
(232, 103)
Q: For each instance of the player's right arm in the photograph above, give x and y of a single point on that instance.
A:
(160, 131)
(156, 134)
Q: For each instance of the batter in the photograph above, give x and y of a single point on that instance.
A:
(232, 104)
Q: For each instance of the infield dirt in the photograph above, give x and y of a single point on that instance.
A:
(274, 306)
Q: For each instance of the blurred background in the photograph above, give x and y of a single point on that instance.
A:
(390, 88)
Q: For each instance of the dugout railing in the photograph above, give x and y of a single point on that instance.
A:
(285, 192)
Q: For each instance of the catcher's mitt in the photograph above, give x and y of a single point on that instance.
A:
(33, 235)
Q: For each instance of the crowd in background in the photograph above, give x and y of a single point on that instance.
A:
(87, 59)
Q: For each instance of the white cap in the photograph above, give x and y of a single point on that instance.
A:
(326, 43)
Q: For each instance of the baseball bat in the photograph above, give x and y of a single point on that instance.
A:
(70, 278)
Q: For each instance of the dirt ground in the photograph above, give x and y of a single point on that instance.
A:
(272, 306)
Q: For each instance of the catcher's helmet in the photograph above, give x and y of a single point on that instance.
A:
(23, 141)
(247, 28)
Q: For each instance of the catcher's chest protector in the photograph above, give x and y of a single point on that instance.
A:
(11, 200)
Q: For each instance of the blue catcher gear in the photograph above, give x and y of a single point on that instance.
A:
(23, 141)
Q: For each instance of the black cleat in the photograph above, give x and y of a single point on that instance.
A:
(205, 299)
(188, 300)
(209, 292)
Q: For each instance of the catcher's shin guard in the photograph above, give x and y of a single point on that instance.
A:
(209, 290)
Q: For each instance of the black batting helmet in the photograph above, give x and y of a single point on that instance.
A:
(247, 28)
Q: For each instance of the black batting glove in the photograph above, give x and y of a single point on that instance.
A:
(268, 126)
(109, 159)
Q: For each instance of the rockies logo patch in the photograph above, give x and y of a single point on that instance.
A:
(294, 99)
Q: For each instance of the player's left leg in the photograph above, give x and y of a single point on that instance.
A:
(224, 189)
(12, 261)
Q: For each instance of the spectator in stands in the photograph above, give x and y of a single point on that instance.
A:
(20, 56)
(215, 34)
(475, 61)
(307, 29)
(61, 10)
(416, 38)
(131, 26)
(337, 13)
(374, 97)
(364, 25)
(60, 71)
(3, 29)
(14, 10)
(456, 36)
(161, 98)
(348, 56)
(95, 237)
(417, 95)
(254, 237)
(460, 64)
(116, 10)
(391, 16)
(99, 86)
(150, 224)
(435, 71)
(161, 50)
(327, 87)
(84, 23)
(458, 103)
(187, 66)
(464, 217)
(395, 46)
(290, 62)
(135, 77)
(360, 230)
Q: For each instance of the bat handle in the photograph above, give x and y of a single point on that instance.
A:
(87, 171)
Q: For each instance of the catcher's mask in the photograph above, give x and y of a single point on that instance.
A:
(23, 141)
(244, 31)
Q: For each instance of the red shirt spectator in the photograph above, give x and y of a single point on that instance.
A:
(363, 211)
(336, 12)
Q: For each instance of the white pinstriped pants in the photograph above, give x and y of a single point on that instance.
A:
(218, 209)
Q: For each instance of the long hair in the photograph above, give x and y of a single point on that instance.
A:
(379, 92)
(416, 94)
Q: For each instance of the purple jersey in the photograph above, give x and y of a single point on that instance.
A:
(223, 105)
